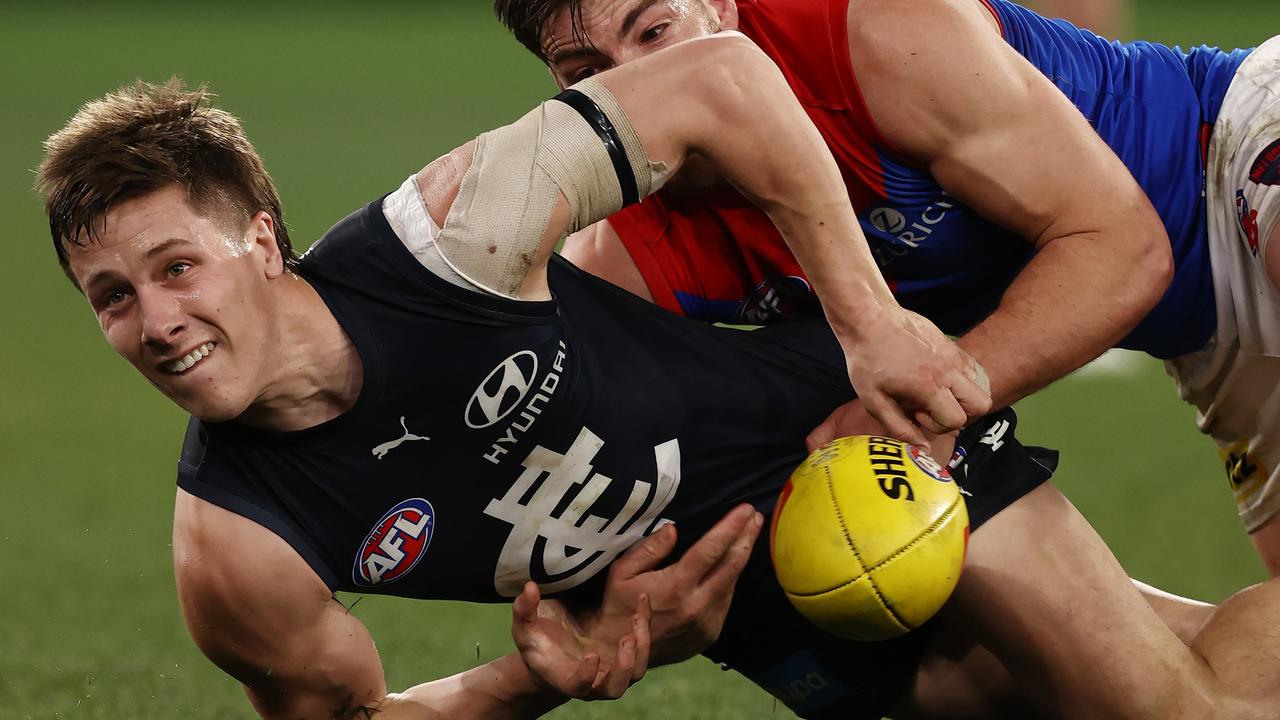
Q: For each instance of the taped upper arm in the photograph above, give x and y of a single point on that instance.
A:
(440, 184)
(259, 612)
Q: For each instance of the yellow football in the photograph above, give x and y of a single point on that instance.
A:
(869, 537)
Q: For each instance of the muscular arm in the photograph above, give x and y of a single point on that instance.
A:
(946, 89)
(678, 114)
(776, 157)
(274, 626)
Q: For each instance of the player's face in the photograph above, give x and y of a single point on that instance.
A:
(619, 31)
(185, 300)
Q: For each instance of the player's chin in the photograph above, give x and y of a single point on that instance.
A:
(208, 403)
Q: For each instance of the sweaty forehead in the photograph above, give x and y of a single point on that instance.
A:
(599, 21)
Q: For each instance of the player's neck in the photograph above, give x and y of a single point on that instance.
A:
(320, 374)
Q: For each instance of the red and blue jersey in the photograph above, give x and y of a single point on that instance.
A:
(715, 257)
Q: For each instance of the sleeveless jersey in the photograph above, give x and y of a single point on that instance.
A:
(719, 259)
(494, 441)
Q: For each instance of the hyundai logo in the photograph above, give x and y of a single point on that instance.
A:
(502, 391)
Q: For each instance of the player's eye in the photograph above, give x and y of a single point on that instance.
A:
(583, 73)
(654, 33)
(178, 268)
(114, 297)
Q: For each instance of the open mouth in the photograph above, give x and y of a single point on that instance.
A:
(183, 364)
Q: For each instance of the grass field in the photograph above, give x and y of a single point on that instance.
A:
(344, 101)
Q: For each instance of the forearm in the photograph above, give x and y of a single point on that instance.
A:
(1076, 298)
(499, 690)
(797, 182)
(738, 112)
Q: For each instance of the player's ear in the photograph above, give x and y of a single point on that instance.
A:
(261, 235)
(726, 11)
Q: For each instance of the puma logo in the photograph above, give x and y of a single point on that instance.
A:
(386, 447)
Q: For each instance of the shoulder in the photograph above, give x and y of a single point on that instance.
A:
(242, 589)
(925, 65)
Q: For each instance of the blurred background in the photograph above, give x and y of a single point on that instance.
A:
(344, 100)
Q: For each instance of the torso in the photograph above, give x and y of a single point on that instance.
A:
(493, 443)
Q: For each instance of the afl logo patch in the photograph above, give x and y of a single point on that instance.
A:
(502, 391)
(929, 465)
(1266, 169)
(396, 544)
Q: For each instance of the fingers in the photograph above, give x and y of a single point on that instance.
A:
(886, 411)
(973, 392)
(821, 435)
(942, 413)
(645, 555)
(851, 418)
(640, 628)
(631, 659)
(720, 581)
(712, 547)
(583, 680)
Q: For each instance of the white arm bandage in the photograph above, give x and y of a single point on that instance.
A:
(580, 144)
(407, 214)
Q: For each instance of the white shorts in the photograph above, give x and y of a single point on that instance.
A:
(1234, 381)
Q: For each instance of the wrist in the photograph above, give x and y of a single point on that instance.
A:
(862, 320)
(520, 688)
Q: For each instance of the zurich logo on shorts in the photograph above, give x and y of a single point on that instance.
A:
(396, 544)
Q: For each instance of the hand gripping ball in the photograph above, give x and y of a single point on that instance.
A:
(869, 537)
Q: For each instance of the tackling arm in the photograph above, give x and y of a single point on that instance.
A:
(275, 627)
(895, 358)
(1001, 138)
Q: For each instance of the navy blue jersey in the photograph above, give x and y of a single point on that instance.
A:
(495, 441)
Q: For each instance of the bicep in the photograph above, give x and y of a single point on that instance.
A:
(991, 128)
(267, 620)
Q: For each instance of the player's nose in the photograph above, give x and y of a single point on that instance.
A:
(163, 319)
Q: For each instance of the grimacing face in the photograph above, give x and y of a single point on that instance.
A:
(622, 30)
(185, 299)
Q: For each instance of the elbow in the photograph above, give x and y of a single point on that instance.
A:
(732, 67)
(1154, 267)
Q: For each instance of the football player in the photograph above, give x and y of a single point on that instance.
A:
(1031, 186)
(429, 404)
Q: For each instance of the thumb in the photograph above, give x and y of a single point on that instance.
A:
(525, 608)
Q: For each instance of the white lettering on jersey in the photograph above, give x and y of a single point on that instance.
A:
(995, 434)
(531, 412)
(574, 545)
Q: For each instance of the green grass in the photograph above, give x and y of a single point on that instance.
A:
(344, 103)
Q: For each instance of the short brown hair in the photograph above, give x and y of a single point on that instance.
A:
(528, 20)
(145, 137)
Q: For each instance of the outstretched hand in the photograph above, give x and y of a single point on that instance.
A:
(912, 379)
(646, 616)
(561, 656)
